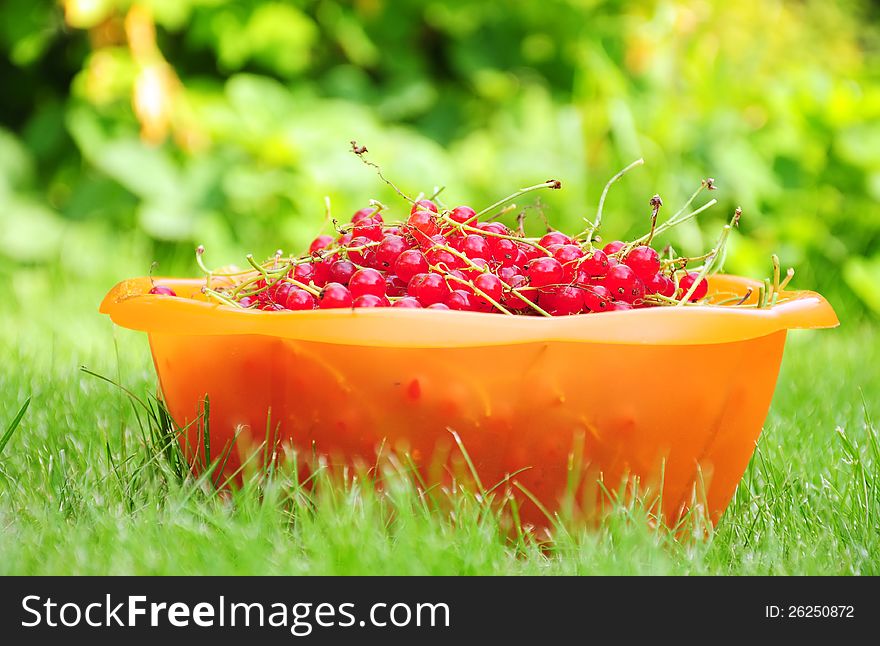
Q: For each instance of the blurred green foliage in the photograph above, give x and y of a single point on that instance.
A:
(246, 110)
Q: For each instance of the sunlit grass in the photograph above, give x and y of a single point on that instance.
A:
(87, 488)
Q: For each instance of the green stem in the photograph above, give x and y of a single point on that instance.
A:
(590, 231)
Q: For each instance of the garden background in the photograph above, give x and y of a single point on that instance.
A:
(131, 131)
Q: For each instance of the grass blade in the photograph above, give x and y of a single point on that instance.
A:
(14, 425)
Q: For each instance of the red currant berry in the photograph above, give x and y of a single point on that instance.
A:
(685, 284)
(613, 247)
(394, 285)
(389, 249)
(334, 296)
(504, 251)
(303, 272)
(408, 302)
(321, 242)
(554, 237)
(462, 214)
(596, 264)
(458, 300)
(562, 301)
(246, 302)
(619, 306)
(423, 205)
(358, 250)
(644, 261)
(438, 306)
(479, 267)
(364, 214)
(409, 263)
(623, 284)
(367, 281)
(341, 272)
(490, 285)
(161, 290)
(321, 273)
(660, 284)
(475, 246)
(428, 288)
(370, 300)
(494, 227)
(299, 299)
(597, 298)
(518, 300)
(442, 258)
(279, 292)
(544, 271)
(368, 228)
(424, 222)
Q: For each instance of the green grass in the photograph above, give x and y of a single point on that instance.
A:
(80, 494)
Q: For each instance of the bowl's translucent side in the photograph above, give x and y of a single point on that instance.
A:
(686, 415)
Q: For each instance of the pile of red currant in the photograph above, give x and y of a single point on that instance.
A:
(459, 259)
(447, 259)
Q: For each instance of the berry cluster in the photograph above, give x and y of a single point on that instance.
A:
(460, 259)
(448, 259)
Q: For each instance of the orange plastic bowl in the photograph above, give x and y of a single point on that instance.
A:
(672, 395)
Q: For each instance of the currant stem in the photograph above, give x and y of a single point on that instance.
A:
(590, 231)
(550, 183)
(492, 234)
(361, 151)
(207, 291)
(479, 291)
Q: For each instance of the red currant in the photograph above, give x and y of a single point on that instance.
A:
(303, 272)
(442, 258)
(597, 298)
(423, 205)
(504, 251)
(335, 296)
(161, 290)
(490, 285)
(428, 288)
(341, 272)
(544, 271)
(562, 301)
(299, 299)
(424, 222)
(438, 306)
(660, 284)
(370, 228)
(554, 237)
(458, 300)
(358, 250)
(389, 249)
(596, 264)
(394, 285)
(475, 246)
(366, 281)
(689, 279)
(363, 214)
(619, 306)
(613, 247)
(321, 242)
(623, 284)
(407, 302)
(409, 263)
(370, 300)
(462, 214)
(644, 261)
(494, 227)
